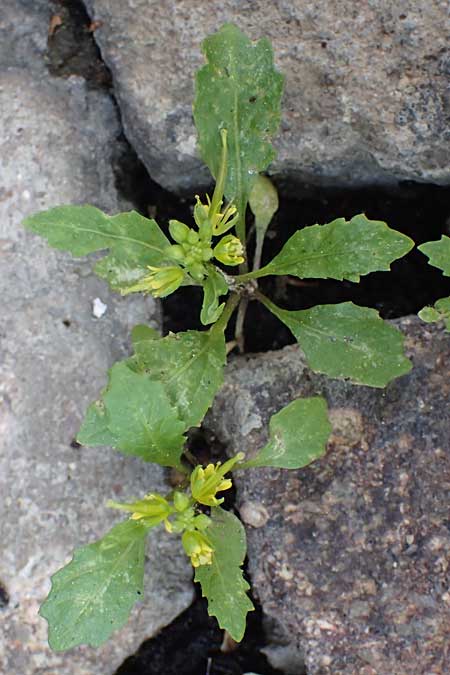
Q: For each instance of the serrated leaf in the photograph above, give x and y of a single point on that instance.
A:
(213, 287)
(92, 596)
(222, 582)
(347, 341)
(238, 90)
(339, 250)
(141, 417)
(438, 253)
(440, 312)
(134, 242)
(263, 202)
(189, 366)
(298, 435)
(94, 430)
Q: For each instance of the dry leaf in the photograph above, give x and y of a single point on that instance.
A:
(55, 22)
(94, 25)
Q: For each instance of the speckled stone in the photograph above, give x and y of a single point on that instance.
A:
(56, 147)
(366, 96)
(353, 559)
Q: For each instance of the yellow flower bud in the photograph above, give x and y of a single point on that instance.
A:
(229, 250)
(153, 509)
(160, 282)
(197, 547)
(207, 482)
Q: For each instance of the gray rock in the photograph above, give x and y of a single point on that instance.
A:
(56, 145)
(366, 98)
(352, 562)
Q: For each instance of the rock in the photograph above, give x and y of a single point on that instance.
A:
(365, 97)
(56, 148)
(353, 560)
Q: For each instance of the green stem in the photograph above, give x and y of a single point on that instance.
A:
(266, 302)
(228, 310)
(246, 276)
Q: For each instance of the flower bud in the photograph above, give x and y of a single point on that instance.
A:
(160, 282)
(229, 250)
(197, 547)
(178, 231)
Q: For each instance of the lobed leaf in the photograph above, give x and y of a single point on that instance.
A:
(339, 250)
(347, 341)
(222, 582)
(134, 242)
(92, 596)
(298, 435)
(214, 286)
(438, 253)
(238, 90)
(440, 312)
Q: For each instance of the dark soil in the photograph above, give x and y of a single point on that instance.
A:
(191, 646)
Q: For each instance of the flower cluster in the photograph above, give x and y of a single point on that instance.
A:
(179, 510)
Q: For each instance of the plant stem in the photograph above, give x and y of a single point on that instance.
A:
(239, 330)
(228, 310)
(265, 300)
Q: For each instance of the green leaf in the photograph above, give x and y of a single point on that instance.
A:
(298, 435)
(134, 242)
(238, 90)
(339, 250)
(139, 417)
(93, 595)
(222, 582)
(94, 430)
(142, 333)
(213, 287)
(189, 366)
(347, 341)
(440, 312)
(438, 253)
(263, 202)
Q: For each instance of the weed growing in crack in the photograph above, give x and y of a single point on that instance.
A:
(166, 387)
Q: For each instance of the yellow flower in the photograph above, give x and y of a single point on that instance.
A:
(197, 547)
(207, 482)
(153, 509)
(160, 282)
(229, 251)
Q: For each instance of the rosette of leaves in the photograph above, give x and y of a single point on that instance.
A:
(167, 385)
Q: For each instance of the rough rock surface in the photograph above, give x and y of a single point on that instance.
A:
(351, 555)
(366, 98)
(55, 148)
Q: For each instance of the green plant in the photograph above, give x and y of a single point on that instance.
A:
(438, 253)
(166, 387)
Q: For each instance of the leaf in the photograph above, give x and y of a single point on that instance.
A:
(347, 341)
(189, 366)
(222, 582)
(92, 596)
(94, 430)
(263, 202)
(438, 253)
(339, 250)
(143, 333)
(213, 287)
(238, 90)
(440, 312)
(134, 242)
(139, 417)
(298, 435)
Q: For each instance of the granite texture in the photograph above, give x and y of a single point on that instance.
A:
(350, 556)
(366, 96)
(55, 147)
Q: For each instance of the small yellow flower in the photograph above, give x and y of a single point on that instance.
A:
(207, 482)
(229, 251)
(153, 509)
(197, 547)
(160, 282)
